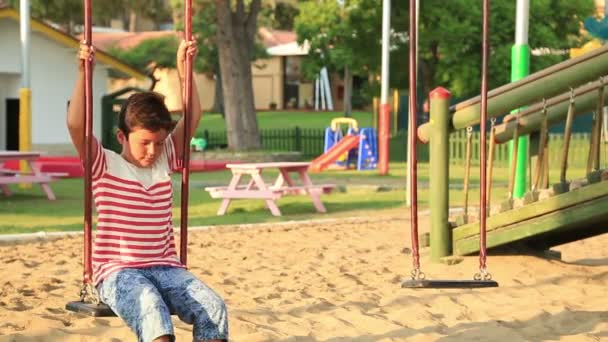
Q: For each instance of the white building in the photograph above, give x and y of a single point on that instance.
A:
(53, 72)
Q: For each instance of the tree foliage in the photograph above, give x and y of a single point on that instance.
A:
(340, 36)
(155, 10)
(68, 14)
(449, 39)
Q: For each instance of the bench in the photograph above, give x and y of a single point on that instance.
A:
(10, 176)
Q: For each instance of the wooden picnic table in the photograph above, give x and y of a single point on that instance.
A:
(10, 176)
(257, 188)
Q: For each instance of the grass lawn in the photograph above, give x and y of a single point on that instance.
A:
(279, 120)
(29, 211)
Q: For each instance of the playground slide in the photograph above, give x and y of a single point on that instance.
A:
(560, 219)
(343, 146)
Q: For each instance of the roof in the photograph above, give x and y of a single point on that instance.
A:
(272, 37)
(127, 40)
(69, 41)
(289, 49)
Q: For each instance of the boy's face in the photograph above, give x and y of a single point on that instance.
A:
(142, 147)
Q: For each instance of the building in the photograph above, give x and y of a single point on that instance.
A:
(52, 76)
(277, 80)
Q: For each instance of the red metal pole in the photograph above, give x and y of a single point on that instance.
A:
(187, 102)
(484, 117)
(413, 167)
(88, 154)
(384, 138)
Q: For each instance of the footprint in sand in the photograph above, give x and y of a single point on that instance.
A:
(19, 306)
(65, 322)
(48, 287)
(27, 292)
(12, 326)
(61, 272)
(31, 263)
(55, 311)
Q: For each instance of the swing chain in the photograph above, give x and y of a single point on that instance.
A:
(492, 123)
(483, 274)
(571, 95)
(470, 130)
(417, 274)
(89, 294)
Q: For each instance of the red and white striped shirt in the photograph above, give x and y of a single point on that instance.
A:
(134, 219)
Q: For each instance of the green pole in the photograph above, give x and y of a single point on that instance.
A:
(520, 68)
(441, 234)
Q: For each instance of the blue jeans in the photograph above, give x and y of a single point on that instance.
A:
(144, 297)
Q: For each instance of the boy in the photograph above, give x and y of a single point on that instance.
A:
(135, 265)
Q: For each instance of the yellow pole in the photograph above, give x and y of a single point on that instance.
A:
(375, 113)
(25, 127)
(395, 111)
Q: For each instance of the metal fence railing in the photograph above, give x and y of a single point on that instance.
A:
(309, 142)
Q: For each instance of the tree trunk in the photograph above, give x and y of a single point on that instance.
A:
(218, 98)
(235, 37)
(132, 21)
(348, 92)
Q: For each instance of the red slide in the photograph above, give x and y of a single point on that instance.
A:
(343, 146)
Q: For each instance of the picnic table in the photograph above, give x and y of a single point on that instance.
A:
(10, 176)
(257, 188)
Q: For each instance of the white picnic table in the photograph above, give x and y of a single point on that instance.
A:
(256, 188)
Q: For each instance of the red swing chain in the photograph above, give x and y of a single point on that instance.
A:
(483, 273)
(187, 103)
(413, 167)
(88, 153)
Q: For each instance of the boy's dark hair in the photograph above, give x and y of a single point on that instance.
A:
(145, 110)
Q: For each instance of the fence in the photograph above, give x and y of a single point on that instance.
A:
(577, 155)
(309, 142)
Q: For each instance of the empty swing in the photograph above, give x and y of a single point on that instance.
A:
(482, 278)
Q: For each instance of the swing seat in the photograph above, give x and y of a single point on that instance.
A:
(448, 284)
(90, 309)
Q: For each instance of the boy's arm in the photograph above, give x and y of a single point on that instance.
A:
(195, 115)
(75, 117)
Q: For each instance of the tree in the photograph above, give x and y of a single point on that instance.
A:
(68, 14)
(226, 31)
(130, 10)
(279, 15)
(341, 37)
(450, 40)
(236, 33)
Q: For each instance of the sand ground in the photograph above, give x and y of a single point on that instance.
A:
(330, 281)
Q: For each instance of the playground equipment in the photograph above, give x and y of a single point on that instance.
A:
(357, 149)
(439, 101)
(89, 302)
(548, 215)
